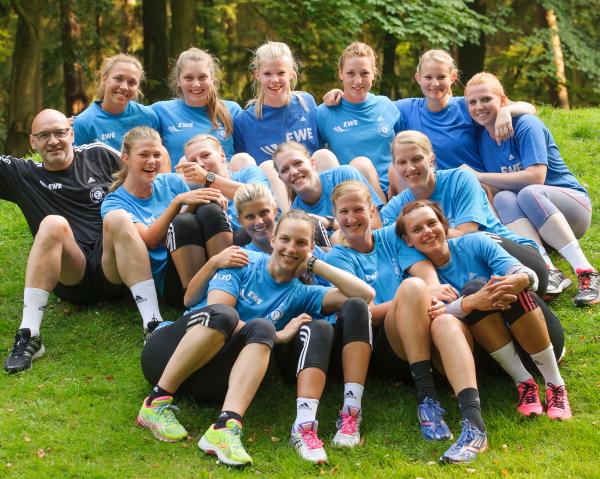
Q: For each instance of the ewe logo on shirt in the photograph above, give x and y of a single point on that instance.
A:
(299, 135)
(346, 126)
(108, 136)
(512, 168)
(51, 186)
(250, 296)
(371, 278)
(474, 276)
(97, 194)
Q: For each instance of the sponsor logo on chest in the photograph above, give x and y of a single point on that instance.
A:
(51, 186)
(108, 136)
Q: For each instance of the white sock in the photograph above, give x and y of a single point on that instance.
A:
(510, 361)
(306, 410)
(574, 255)
(546, 257)
(546, 363)
(353, 395)
(144, 295)
(34, 304)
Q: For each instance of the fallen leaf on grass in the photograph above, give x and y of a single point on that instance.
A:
(505, 447)
(66, 310)
(8, 464)
(275, 439)
(431, 463)
(41, 453)
(362, 441)
(505, 472)
(470, 470)
(109, 377)
(252, 437)
(334, 469)
(27, 439)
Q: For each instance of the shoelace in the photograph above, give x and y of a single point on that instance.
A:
(20, 346)
(348, 424)
(311, 439)
(585, 280)
(434, 411)
(557, 398)
(166, 412)
(528, 394)
(468, 433)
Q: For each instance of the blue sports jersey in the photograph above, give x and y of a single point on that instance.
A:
(180, 122)
(361, 129)
(96, 124)
(462, 199)
(146, 211)
(260, 296)
(451, 131)
(329, 180)
(532, 144)
(383, 268)
(293, 122)
(474, 256)
(250, 174)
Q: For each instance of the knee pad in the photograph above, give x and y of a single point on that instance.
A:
(259, 331)
(316, 338)
(472, 287)
(525, 303)
(355, 319)
(220, 317)
(183, 230)
(213, 220)
(505, 203)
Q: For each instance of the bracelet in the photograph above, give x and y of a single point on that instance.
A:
(311, 263)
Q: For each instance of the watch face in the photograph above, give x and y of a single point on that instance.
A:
(210, 177)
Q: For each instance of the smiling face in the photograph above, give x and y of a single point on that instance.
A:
(292, 243)
(56, 152)
(353, 213)
(208, 155)
(296, 170)
(257, 217)
(121, 85)
(484, 104)
(435, 80)
(413, 164)
(143, 161)
(424, 231)
(357, 75)
(195, 82)
(274, 77)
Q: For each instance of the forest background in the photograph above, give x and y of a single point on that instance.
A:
(545, 51)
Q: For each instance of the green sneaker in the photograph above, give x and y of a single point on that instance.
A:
(226, 444)
(159, 418)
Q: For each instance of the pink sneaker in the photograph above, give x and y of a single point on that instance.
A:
(557, 402)
(529, 399)
(348, 428)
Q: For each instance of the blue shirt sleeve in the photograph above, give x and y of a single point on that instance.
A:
(227, 280)
(530, 140)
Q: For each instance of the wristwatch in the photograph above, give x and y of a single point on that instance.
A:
(210, 178)
(310, 264)
(532, 279)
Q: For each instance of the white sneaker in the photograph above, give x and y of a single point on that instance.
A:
(348, 428)
(304, 438)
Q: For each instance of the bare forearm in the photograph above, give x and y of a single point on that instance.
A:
(348, 284)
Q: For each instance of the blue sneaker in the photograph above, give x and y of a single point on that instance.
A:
(431, 416)
(471, 443)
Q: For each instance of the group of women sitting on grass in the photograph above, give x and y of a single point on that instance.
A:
(339, 237)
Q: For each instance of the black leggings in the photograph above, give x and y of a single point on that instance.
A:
(527, 256)
(209, 383)
(319, 341)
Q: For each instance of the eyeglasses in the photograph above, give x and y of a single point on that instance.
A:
(58, 134)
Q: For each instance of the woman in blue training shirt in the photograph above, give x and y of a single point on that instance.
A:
(538, 196)
(497, 302)
(198, 108)
(108, 120)
(153, 201)
(261, 286)
(407, 315)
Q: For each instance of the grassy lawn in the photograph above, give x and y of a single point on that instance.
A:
(73, 415)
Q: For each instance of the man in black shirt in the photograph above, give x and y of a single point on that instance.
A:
(73, 254)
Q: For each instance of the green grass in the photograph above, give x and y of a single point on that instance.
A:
(73, 414)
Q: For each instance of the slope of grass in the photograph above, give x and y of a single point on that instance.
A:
(73, 414)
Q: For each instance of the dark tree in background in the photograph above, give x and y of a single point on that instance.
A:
(183, 26)
(156, 49)
(75, 97)
(471, 55)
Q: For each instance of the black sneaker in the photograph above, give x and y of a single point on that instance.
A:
(24, 351)
(588, 291)
(150, 328)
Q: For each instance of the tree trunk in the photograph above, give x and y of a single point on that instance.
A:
(183, 26)
(559, 61)
(389, 80)
(75, 98)
(25, 99)
(471, 56)
(156, 48)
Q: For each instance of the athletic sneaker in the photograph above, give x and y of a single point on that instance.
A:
(24, 351)
(557, 402)
(431, 417)
(471, 442)
(304, 438)
(529, 398)
(159, 418)
(348, 427)
(226, 444)
(557, 282)
(150, 328)
(588, 291)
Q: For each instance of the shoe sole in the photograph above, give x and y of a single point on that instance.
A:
(564, 285)
(155, 432)
(38, 354)
(209, 448)
(582, 304)
(448, 460)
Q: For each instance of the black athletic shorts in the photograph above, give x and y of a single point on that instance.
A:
(93, 286)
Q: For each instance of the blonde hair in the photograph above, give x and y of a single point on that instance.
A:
(139, 133)
(489, 79)
(217, 111)
(359, 49)
(297, 215)
(439, 56)
(252, 192)
(289, 146)
(346, 188)
(273, 51)
(109, 63)
(205, 137)
(413, 137)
